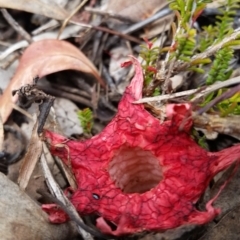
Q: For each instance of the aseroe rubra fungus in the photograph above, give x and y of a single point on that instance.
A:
(139, 173)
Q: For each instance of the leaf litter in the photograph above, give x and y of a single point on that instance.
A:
(40, 59)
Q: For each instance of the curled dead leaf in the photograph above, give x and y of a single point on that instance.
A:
(30, 159)
(36, 6)
(40, 59)
(137, 10)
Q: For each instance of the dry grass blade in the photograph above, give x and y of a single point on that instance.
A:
(211, 50)
(17, 27)
(40, 59)
(30, 159)
(64, 24)
(198, 92)
(57, 192)
(36, 6)
(52, 186)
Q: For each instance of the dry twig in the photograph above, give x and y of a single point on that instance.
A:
(109, 14)
(200, 93)
(211, 50)
(70, 16)
(16, 26)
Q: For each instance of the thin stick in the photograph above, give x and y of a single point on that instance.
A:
(220, 98)
(110, 14)
(202, 93)
(60, 198)
(164, 12)
(211, 50)
(167, 96)
(22, 111)
(107, 30)
(64, 24)
(217, 86)
(16, 26)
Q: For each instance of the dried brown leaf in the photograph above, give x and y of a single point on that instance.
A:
(36, 6)
(138, 10)
(40, 59)
(30, 159)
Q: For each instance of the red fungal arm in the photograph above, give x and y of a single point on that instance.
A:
(141, 174)
(224, 158)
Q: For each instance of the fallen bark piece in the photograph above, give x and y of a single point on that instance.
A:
(22, 218)
(141, 174)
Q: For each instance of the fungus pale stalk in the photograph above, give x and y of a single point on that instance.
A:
(141, 174)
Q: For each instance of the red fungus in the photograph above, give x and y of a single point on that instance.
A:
(141, 174)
